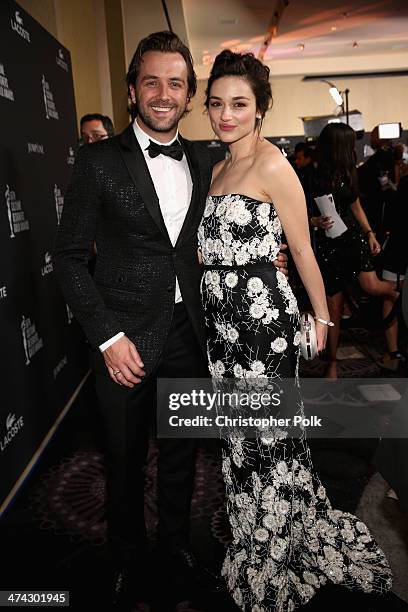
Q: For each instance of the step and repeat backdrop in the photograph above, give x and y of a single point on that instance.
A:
(43, 352)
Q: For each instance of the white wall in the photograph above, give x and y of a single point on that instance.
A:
(380, 100)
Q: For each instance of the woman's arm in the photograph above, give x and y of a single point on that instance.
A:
(361, 217)
(283, 188)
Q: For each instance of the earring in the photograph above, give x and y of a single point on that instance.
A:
(258, 117)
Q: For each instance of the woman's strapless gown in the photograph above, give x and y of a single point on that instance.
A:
(287, 539)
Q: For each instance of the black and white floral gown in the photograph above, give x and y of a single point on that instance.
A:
(287, 539)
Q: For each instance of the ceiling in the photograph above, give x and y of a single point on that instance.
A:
(307, 31)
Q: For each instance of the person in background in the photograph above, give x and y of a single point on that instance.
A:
(350, 255)
(303, 164)
(376, 178)
(395, 262)
(96, 127)
(400, 162)
(303, 155)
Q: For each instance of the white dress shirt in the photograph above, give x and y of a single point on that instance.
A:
(173, 184)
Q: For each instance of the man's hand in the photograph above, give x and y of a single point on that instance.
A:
(124, 363)
(281, 262)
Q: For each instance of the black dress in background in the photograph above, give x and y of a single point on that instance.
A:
(341, 259)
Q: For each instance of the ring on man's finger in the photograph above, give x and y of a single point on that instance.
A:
(116, 372)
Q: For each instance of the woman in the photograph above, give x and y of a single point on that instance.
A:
(351, 254)
(287, 540)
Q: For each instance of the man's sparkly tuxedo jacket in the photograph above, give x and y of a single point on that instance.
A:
(111, 200)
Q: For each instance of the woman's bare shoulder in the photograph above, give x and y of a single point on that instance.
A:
(270, 157)
(274, 171)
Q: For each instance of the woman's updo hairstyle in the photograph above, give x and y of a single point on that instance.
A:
(228, 63)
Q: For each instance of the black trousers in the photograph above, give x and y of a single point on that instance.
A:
(127, 416)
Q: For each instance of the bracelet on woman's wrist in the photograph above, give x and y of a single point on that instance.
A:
(328, 323)
(370, 232)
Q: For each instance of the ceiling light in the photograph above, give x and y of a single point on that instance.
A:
(336, 95)
(301, 46)
(334, 92)
(333, 28)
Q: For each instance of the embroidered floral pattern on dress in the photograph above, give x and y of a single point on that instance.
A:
(287, 539)
(233, 241)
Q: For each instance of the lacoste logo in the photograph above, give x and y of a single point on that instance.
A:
(10, 420)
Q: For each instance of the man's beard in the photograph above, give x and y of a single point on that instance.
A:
(152, 124)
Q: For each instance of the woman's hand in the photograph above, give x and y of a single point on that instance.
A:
(321, 335)
(322, 222)
(373, 243)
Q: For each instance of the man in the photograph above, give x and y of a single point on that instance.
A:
(305, 171)
(95, 127)
(376, 183)
(303, 155)
(141, 196)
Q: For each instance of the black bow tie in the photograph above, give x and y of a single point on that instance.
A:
(174, 150)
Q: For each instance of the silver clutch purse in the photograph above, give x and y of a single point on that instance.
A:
(308, 340)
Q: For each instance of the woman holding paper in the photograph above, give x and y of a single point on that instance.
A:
(345, 243)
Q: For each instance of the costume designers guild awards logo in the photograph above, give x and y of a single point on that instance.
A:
(59, 202)
(71, 157)
(50, 110)
(60, 366)
(17, 25)
(61, 60)
(48, 267)
(31, 340)
(5, 91)
(16, 218)
(13, 427)
(70, 316)
(35, 147)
